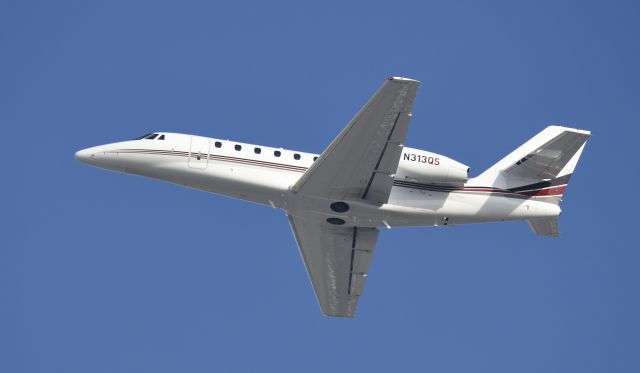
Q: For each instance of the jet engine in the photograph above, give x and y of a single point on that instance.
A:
(430, 168)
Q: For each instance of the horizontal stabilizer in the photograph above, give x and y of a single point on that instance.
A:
(545, 226)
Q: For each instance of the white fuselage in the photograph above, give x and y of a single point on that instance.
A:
(256, 173)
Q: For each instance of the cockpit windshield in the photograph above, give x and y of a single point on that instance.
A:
(148, 136)
(143, 136)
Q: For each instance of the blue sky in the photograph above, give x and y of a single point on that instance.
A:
(103, 272)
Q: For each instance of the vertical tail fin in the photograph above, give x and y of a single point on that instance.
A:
(541, 167)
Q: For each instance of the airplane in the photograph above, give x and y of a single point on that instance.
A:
(366, 179)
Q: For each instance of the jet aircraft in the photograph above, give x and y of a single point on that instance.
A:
(366, 179)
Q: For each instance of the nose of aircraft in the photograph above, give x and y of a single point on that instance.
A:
(85, 155)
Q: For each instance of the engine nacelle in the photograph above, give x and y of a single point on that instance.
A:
(430, 168)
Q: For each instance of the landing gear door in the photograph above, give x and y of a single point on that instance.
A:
(199, 152)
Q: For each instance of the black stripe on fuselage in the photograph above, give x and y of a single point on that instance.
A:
(543, 184)
(223, 158)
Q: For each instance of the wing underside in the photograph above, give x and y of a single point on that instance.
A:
(358, 165)
(337, 260)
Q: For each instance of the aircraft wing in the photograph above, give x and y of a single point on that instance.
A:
(361, 161)
(337, 261)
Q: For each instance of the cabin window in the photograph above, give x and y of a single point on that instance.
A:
(237, 147)
(218, 144)
(257, 150)
(161, 137)
(152, 136)
(277, 153)
(296, 157)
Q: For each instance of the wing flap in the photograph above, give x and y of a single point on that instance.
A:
(361, 260)
(357, 284)
(382, 177)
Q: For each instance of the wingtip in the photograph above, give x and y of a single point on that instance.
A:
(403, 79)
(339, 315)
(577, 130)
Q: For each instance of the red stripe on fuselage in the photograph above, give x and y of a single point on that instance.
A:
(553, 191)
